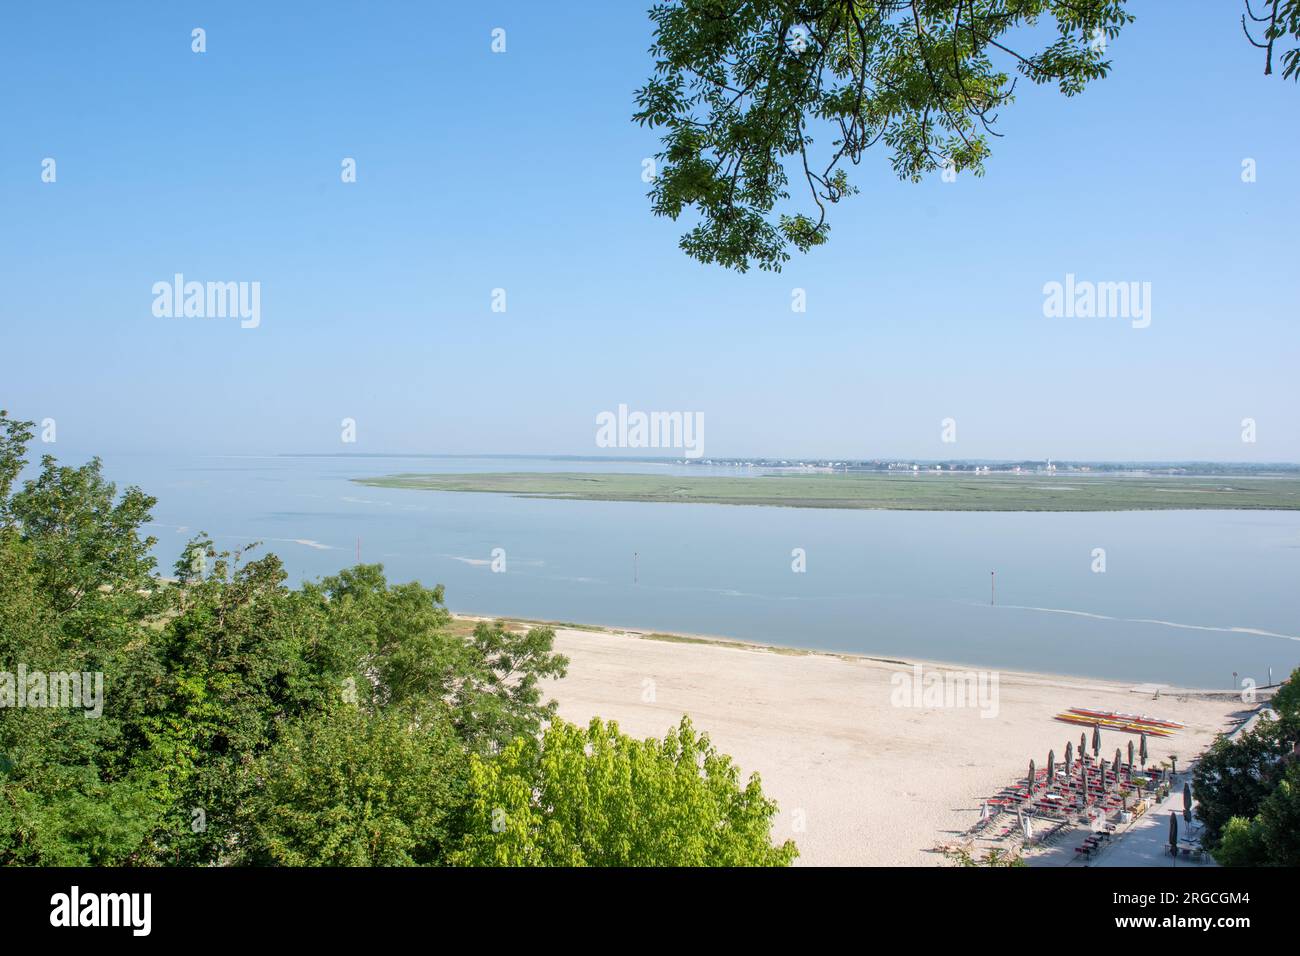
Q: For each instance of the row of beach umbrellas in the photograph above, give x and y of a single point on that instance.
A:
(1140, 752)
(1142, 755)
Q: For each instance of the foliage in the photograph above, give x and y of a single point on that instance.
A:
(82, 538)
(597, 797)
(1272, 836)
(1286, 700)
(1279, 19)
(1239, 844)
(1233, 777)
(742, 89)
(351, 788)
(491, 680)
(1247, 789)
(246, 722)
(66, 795)
(496, 696)
(964, 857)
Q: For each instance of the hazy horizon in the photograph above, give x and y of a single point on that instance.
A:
(39, 449)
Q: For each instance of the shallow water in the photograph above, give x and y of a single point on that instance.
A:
(1187, 597)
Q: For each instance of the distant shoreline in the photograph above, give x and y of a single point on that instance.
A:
(1191, 467)
(913, 491)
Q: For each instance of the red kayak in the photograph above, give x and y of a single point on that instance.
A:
(1110, 723)
(1130, 718)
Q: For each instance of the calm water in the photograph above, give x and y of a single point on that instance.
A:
(1181, 596)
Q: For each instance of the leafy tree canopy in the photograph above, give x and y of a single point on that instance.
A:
(749, 96)
(1248, 789)
(350, 788)
(597, 797)
(339, 723)
(748, 93)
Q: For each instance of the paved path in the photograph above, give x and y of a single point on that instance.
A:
(1145, 843)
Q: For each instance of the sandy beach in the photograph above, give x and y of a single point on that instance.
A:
(861, 775)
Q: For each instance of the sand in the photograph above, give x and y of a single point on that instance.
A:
(861, 778)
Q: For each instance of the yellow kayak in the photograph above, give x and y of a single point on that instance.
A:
(1112, 724)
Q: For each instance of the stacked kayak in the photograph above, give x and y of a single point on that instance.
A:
(1131, 723)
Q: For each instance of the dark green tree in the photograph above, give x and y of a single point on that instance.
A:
(1246, 787)
(351, 788)
(72, 571)
(84, 540)
(338, 723)
(492, 680)
(1272, 836)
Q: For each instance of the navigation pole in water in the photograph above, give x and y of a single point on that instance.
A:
(634, 567)
(993, 587)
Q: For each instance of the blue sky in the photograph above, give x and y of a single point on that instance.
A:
(523, 171)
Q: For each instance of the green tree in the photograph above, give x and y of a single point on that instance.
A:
(349, 788)
(84, 540)
(1286, 700)
(492, 680)
(497, 695)
(597, 797)
(14, 436)
(337, 723)
(743, 91)
(1272, 836)
(239, 656)
(70, 564)
(1233, 777)
(1239, 844)
(1247, 787)
(1278, 820)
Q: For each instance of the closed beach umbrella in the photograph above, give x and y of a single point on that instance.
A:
(1130, 756)
(1069, 757)
(1142, 749)
(984, 810)
(1083, 747)
(1173, 830)
(1187, 802)
(1031, 775)
(1096, 739)
(1051, 765)
(1116, 763)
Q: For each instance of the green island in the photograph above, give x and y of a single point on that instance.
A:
(925, 492)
